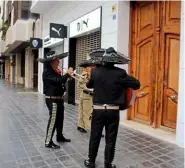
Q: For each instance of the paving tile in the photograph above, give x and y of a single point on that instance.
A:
(36, 158)
(52, 161)
(39, 164)
(156, 154)
(56, 166)
(49, 156)
(26, 165)
(164, 158)
(60, 153)
(166, 165)
(175, 163)
(9, 165)
(147, 164)
(23, 161)
(157, 161)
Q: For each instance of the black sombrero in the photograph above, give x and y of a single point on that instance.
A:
(89, 62)
(109, 56)
(52, 55)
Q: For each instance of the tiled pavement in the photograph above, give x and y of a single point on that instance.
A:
(23, 119)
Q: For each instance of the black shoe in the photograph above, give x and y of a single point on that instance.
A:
(89, 164)
(109, 166)
(102, 135)
(52, 145)
(63, 139)
(82, 130)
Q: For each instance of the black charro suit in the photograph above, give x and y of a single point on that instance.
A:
(109, 83)
(54, 85)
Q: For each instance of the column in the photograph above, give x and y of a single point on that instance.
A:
(29, 58)
(40, 71)
(181, 92)
(17, 68)
(41, 55)
(11, 69)
(7, 70)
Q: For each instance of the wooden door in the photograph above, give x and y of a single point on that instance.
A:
(143, 56)
(155, 50)
(170, 37)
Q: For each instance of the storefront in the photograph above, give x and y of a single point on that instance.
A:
(85, 35)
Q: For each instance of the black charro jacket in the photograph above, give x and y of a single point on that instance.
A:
(54, 84)
(110, 84)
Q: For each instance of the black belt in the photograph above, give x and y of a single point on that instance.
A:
(86, 92)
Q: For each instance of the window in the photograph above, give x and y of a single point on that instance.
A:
(25, 14)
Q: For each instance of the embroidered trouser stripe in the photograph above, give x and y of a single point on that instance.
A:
(51, 124)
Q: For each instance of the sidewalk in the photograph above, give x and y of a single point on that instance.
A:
(23, 120)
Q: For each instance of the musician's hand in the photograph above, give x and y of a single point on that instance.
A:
(84, 86)
(70, 71)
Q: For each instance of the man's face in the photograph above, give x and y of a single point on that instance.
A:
(55, 63)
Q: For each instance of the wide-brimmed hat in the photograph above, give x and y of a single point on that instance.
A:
(88, 62)
(109, 56)
(52, 55)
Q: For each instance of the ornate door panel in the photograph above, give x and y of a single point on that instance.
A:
(142, 58)
(171, 51)
(155, 61)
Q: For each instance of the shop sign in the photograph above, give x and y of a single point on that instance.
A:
(85, 24)
(35, 43)
(58, 31)
(50, 42)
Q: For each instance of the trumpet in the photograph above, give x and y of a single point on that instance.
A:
(74, 75)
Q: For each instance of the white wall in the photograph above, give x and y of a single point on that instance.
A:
(181, 97)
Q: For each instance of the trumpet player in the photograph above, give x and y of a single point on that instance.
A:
(54, 88)
(85, 104)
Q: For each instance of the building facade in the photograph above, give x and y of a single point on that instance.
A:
(18, 26)
(151, 33)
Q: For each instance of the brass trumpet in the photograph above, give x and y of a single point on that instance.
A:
(78, 77)
(74, 75)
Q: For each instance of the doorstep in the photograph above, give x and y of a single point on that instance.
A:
(156, 133)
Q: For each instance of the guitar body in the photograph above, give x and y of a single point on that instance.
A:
(128, 97)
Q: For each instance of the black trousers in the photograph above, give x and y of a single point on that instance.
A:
(110, 120)
(56, 118)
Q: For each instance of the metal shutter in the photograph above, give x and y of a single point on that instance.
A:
(83, 46)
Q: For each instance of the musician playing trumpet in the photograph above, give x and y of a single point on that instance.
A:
(85, 103)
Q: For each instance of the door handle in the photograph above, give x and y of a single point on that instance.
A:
(142, 93)
(173, 97)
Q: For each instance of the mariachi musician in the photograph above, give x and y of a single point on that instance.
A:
(85, 103)
(54, 89)
(109, 84)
